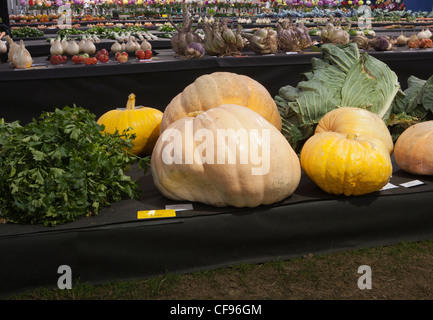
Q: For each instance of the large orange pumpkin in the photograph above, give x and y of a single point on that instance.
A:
(218, 88)
(212, 157)
(413, 149)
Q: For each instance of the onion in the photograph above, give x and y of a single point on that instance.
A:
(422, 35)
(401, 40)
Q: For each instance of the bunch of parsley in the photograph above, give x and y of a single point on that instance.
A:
(63, 167)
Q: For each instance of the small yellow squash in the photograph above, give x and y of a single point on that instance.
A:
(144, 123)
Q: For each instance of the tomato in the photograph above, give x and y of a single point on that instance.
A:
(148, 54)
(122, 57)
(140, 54)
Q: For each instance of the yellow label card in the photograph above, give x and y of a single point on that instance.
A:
(156, 214)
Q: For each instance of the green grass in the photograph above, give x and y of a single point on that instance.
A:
(400, 271)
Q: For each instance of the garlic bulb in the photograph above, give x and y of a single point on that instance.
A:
(145, 45)
(116, 47)
(89, 47)
(122, 46)
(428, 32)
(56, 48)
(22, 58)
(72, 48)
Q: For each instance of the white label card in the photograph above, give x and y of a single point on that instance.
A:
(179, 207)
(412, 183)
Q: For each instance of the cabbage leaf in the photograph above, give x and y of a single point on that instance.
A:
(342, 77)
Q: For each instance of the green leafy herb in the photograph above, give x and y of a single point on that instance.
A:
(26, 32)
(63, 167)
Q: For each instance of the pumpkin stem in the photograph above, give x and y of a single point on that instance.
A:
(351, 136)
(194, 113)
(130, 105)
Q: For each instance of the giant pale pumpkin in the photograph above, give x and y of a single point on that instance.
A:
(346, 164)
(356, 120)
(144, 122)
(413, 150)
(218, 88)
(225, 156)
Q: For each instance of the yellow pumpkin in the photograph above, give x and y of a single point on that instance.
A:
(225, 156)
(346, 164)
(218, 88)
(144, 123)
(356, 120)
(413, 150)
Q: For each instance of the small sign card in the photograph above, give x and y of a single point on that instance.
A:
(412, 183)
(147, 214)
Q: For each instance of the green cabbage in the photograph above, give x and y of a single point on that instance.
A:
(414, 105)
(342, 77)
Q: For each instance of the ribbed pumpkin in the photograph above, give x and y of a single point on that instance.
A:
(359, 121)
(346, 164)
(413, 150)
(144, 123)
(210, 177)
(218, 88)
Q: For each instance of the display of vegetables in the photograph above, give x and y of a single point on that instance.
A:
(342, 120)
(212, 90)
(238, 181)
